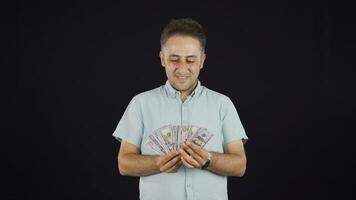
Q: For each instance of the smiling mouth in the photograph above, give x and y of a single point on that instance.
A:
(182, 77)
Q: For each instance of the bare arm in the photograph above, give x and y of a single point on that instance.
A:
(132, 163)
(230, 163)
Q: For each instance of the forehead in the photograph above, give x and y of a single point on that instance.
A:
(182, 46)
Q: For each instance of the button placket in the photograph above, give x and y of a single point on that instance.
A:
(189, 185)
(183, 115)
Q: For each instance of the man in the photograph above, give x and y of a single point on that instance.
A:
(190, 171)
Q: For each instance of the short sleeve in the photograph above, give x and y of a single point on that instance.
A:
(130, 127)
(231, 124)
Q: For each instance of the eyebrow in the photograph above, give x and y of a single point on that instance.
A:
(190, 56)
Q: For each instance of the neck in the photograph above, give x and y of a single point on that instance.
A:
(185, 94)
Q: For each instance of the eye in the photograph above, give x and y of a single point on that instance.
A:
(190, 61)
(174, 60)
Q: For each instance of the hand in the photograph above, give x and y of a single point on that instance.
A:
(193, 156)
(169, 162)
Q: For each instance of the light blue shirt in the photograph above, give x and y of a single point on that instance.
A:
(204, 108)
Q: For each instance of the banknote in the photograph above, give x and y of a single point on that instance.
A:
(167, 135)
(155, 144)
(201, 137)
(184, 132)
(175, 130)
(170, 137)
(159, 138)
(155, 147)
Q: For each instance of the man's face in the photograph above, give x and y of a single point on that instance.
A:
(182, 57)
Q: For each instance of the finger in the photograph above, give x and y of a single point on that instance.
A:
(183, 152)
(193, 154)
(203, 153)
(175, 167)
(170, 163)
(186, 163)
(192, 161)
(196, 148)
(167, 157)
(189, 159)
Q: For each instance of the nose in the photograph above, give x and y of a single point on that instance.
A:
(183, 67)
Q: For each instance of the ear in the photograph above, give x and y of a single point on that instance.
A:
(161, 56)
(203, 56)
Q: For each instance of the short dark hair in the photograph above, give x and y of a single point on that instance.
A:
(185, 27)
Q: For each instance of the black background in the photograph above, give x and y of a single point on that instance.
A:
(287, 66)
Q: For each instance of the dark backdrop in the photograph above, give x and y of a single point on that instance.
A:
(286, 66)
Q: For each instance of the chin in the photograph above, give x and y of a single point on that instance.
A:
(182, 85)
(179, 87)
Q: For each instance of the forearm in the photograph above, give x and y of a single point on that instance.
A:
(227, 164)
(137, 165)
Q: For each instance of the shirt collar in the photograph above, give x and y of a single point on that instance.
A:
(173, 92)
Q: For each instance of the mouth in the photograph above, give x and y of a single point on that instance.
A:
(182, 78)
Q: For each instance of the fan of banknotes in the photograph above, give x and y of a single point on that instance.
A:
(170, 137)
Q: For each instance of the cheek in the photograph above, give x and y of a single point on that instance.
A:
(170, 69)
(195, 68)
(172, 66)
